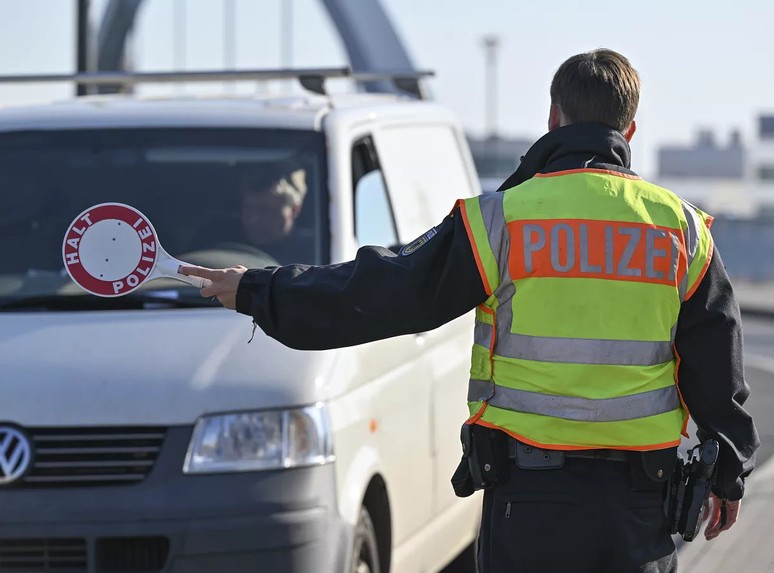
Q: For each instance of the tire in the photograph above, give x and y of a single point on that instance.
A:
(365, 549)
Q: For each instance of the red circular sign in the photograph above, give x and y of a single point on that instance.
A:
(110, 249)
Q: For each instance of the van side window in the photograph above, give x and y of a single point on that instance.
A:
(427, 168)
(374, 222)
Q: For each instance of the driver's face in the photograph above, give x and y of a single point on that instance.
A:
(266, 217)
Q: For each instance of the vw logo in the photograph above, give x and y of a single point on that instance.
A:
(15, 454)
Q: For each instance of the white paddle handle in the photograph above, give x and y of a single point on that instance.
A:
(198, 282)
(167, 266)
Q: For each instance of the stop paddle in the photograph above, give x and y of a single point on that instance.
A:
(111, 249)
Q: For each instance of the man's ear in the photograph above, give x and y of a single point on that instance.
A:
(554, 117)
(629, 133)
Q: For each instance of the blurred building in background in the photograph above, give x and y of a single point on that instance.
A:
(497, 157)
(705, 159)
(709, 173)
(761, 165)
(735, 183)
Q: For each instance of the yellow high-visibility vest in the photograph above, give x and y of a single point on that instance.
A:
(586, 271)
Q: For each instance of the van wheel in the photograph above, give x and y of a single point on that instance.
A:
(365, 550)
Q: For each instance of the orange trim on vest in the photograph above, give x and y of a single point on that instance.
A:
(588, 170)
(474, 418)
(703, 272)
(472, 241)
(684, 431)
(572, 448)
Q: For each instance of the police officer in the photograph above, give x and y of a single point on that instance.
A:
(603, 315)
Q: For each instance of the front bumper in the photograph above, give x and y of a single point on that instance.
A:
(282, 520)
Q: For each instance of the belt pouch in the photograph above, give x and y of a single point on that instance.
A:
(483, 458)
(462, 480)
(658, 465)
(532, 458)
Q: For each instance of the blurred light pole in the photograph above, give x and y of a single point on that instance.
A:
(491, 46)
(179, 40)
(229, 39)
(286, 47)
(179, 35)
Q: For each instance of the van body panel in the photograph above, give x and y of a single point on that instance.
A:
(148, 367)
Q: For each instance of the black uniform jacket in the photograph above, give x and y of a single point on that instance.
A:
(382, 294)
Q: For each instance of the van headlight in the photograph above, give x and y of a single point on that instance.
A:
(260, 440)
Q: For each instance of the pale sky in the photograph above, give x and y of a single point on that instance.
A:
(703, 64)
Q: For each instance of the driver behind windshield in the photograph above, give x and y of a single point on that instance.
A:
(270, 202)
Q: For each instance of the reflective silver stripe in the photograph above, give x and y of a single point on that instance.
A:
(691, 233)
(491, 205)
(482, 334)
(500, 243)
(682, 288)
(617, 409)
(480, 390)
(504, 313)
(582, 350)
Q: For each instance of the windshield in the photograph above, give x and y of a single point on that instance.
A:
(216, 197)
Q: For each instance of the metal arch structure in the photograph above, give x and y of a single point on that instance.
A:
(370, 40)
(117, 22)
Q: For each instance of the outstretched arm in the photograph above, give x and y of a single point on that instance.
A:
(377, 295)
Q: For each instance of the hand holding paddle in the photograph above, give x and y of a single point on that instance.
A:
(223, 282)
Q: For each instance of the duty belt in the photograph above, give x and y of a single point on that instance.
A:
(531, 457)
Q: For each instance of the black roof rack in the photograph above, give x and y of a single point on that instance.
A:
(312, 79)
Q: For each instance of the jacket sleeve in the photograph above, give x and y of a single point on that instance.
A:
(377, 295)
(711, 376)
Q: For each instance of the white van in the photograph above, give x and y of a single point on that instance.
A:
(143, 433)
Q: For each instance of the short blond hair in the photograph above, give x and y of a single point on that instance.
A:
(600, 86)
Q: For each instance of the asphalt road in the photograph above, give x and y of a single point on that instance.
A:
(759, 372)
(746, 546)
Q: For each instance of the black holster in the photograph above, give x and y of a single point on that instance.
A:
(689, 489)
(478, 468)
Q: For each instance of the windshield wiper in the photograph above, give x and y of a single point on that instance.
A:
(133, 301)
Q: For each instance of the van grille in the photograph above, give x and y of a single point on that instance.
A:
(74, 457)
(25, 555)
(135, 554)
